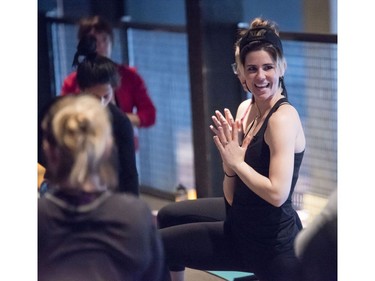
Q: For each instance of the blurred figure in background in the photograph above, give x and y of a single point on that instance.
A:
(131, 95)
(98, 76)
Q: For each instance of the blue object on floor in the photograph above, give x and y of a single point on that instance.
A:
(231, 275)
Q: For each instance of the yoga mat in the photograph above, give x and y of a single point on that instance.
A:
(230, 275)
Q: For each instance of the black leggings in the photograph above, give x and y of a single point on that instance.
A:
(189, 211)
(193, 235)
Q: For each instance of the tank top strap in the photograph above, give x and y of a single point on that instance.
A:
(273, 109)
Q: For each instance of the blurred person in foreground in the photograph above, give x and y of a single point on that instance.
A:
(85, 231)
(316, 244)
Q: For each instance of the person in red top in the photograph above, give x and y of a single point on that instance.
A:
(131, 96)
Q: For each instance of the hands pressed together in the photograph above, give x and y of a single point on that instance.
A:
(226, 138)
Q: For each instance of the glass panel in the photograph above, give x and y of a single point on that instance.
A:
(166, 150)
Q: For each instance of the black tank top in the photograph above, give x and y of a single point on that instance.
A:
(256, 224)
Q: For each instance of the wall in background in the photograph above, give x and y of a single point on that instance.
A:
(316, 16)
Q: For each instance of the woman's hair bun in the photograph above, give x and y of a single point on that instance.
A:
(87, 45)
(86, 48)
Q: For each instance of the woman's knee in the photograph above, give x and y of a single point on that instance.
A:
(176, 213)
(191, 211)
(164, 216)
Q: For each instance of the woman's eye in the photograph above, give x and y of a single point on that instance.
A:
(251, 69)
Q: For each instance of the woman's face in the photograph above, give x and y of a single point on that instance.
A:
(103, 44)
(104, 92)
(261, 74)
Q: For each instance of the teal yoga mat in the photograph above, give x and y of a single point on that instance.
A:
(230, 275)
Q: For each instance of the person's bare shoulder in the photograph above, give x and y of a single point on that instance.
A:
(242, 108)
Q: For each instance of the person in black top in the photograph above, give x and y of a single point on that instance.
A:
(86, 232)
(262, 151)
(97, 75)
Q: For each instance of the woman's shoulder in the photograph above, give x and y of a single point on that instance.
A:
(286, 121)
(285, 111)
(246, 103)
(128, 70)
(243, 108)
(120, 121)
(126, 203)
(129, 200)
(116, 113)
(71, 78)
(70, 84)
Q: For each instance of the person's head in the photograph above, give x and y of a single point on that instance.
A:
(236, 67)
(78, 144)
(101, 29)
(261, 57)
(96, 74)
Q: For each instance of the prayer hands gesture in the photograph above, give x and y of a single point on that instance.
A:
(226, 138)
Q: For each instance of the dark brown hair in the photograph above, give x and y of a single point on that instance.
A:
(93, 69)
(94, 24)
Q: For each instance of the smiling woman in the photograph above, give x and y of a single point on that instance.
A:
(261, 152)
